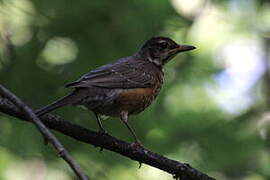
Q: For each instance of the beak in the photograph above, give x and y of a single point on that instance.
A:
(182, 48)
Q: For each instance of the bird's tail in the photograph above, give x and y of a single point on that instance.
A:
(67, 100)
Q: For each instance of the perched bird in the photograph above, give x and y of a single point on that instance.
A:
(125, 87)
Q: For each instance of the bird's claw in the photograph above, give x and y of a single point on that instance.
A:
(102, 132)
(137, 144)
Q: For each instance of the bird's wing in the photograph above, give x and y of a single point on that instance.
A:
(122, 74)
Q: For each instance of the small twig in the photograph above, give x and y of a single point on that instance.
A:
(29, 115)
(179, 170)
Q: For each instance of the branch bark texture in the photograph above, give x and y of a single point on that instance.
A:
(29, 115)
(179, 170)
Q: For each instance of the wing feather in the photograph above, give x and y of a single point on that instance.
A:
(121, 74)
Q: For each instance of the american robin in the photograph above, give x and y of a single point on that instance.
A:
(125, 87)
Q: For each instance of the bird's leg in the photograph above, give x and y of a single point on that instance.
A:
(101, 129)
(124, 118)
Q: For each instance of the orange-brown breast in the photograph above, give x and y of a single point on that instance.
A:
(136, 100)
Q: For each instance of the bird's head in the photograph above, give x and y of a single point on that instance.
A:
(160, 50)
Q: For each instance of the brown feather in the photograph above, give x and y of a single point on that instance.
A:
(118, 75)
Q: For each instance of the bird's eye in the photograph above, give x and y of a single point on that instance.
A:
(164, 45)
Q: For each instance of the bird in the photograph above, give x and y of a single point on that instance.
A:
(125, 87)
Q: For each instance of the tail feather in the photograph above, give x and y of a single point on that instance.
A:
(67, 100)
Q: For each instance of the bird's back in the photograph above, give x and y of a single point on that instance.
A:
(130, 84)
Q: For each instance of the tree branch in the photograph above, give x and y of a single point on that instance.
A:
(177, 169)
(30, 115)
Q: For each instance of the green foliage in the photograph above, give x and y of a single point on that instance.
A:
(192, 120)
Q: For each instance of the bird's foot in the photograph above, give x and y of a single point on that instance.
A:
(137, 144)
(102, 132)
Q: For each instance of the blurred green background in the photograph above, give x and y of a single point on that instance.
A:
(213, 110)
